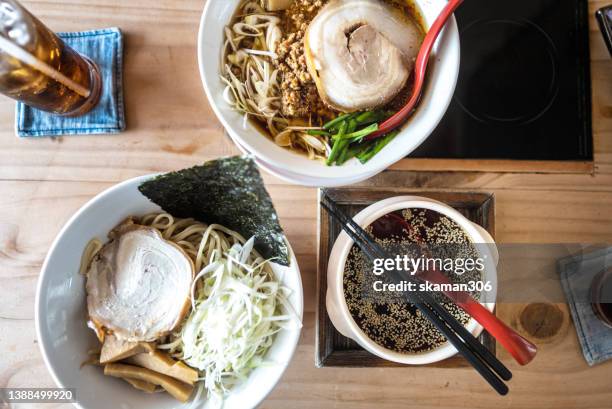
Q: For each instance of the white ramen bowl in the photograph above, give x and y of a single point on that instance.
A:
(337, 308)
(291, 177)
(437, 94)
(61, 314)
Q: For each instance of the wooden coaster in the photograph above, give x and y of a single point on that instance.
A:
(332, 349)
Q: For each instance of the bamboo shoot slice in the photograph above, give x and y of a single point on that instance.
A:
(144, 386)
(179, 390)
(277, 5)
(160, 362)
(114, 349)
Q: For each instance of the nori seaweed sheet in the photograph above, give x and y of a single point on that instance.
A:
(227, 191)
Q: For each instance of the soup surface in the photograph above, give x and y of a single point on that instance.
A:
(386, 318)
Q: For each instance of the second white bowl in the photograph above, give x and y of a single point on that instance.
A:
(61, 314)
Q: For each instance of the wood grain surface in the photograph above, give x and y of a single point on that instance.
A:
(170, 126)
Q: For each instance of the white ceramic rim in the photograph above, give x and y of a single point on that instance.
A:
(344, 243)
(447, 45)
(43, 272)
(290, 177)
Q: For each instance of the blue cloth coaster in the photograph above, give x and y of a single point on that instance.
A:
(105, 47)
(577, 275)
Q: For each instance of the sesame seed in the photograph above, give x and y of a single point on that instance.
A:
(386, 317)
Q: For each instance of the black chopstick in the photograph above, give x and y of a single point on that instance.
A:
(468, 353)
(475, 345)
(474, 352)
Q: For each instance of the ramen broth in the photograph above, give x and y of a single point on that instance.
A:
(300, 104)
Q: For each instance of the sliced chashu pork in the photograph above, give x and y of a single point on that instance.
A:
(138, 285)
(360, 53)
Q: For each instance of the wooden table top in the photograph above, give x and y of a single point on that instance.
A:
(171, 126)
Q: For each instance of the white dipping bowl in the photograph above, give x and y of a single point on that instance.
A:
(61, 313)
(335, 302)
(439, 88)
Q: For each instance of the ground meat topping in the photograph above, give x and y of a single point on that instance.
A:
(299, 94)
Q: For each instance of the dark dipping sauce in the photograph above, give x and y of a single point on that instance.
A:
(390, 321)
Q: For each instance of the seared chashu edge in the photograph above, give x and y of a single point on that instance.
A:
(360, 53)
(138, 285)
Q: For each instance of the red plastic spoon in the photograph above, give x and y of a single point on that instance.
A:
(420, 68)
(521, 349)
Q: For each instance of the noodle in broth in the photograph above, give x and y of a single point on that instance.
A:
(267, 80)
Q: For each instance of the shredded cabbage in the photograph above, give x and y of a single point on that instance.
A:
(237, 307)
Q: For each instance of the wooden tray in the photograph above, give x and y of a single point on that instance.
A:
(335, 350)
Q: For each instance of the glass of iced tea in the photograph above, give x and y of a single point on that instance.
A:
(39, 69)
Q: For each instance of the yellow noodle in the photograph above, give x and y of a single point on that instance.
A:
(92, 248)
